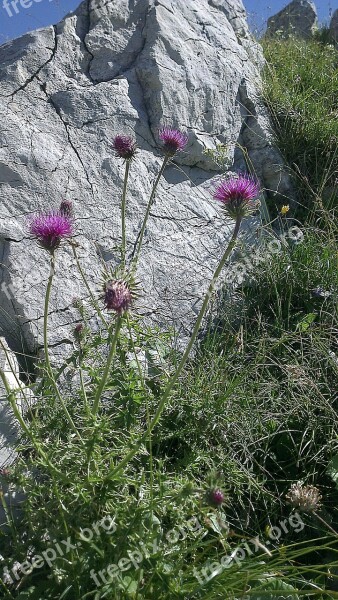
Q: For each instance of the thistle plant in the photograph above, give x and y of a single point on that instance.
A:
(118, 298)
(173, 141)
(228, 408)
(50, 230)
(236, 195)
(125, 148)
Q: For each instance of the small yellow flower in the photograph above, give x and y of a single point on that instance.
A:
(285, 209)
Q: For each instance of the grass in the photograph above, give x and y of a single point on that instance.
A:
(301, 91)
(254, 411)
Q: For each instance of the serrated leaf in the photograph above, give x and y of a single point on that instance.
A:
(274, 584)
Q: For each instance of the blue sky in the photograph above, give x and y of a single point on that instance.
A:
(260, 10)
(44, 12)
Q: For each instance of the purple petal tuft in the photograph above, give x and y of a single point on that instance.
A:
(50, 229)
(237, 193)
(124, 146)
(173, 140)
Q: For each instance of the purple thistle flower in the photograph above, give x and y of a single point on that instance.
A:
(216, 497)
(173, 140)
(118, 296)
(78, 330)
(50, 229)
(124, 146)
(237, 194)
(66, 208)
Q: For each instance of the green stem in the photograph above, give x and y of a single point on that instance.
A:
(185, 356)
(325, 523)
(108, 365)
(45, 316)
(95, 304)
(83, 388)
(45, 343)
(151, 468)
(123, 214)
(24, 427)
(149, 205)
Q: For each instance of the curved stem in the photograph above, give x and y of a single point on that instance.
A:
(149, 205)
(108, 365)
(24, 427)
(123, 215)
(45, 343)
(325, 523)
(93, 299)
(185, 356)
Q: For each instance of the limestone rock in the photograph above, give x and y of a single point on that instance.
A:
(119, 66)
(334, 27)
(299, 18)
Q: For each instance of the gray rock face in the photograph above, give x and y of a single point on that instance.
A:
(334, 27)
(299, 18)
(124, 66)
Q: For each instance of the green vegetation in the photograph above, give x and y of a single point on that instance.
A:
(301, 91)
(254, 411)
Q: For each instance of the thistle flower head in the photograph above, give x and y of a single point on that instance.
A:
(124, 146)
(173, 140)
(79, 331)
(216, 497)
(50, 229)
(118, 296)
(237, 194)
(304, 497)
(66, 208)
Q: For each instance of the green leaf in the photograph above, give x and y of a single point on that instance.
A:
(304, 324)
(275, 585)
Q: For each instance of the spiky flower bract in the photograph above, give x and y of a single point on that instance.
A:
(118, 296)
(50, 229)
(215, 497)
(66, 208)
(79, 331)
(124, 146)
(173, 140)
(304, 497)
(237, 195)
